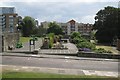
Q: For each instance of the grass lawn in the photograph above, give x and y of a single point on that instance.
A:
(24, 39)
(114, 51)
(14, 74)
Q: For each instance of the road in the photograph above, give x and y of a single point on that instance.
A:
(61, 63)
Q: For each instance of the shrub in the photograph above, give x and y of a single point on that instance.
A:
(19, 45)
(51, 42)
(102, 50)
(35, 38)
(51, 36)
(75, 34)
(86, 45)
(76, 40)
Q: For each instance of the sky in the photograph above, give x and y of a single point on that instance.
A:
(83, 11)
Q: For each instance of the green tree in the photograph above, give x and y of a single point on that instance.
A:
(75, 34)
(54, 28)
(106, 24)
(40, 31)
(28, 26)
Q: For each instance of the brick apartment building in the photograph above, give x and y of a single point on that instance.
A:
(9, 35)
(72, 26)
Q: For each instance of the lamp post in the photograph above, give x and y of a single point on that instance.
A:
(18, 32)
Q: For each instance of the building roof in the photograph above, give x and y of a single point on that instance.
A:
(71, 21)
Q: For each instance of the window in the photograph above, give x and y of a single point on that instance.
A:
(11, 29)
(8, 10)
(11, 20)
(72, 26)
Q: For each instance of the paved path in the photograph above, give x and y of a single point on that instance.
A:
(72, 49)
(27, 48)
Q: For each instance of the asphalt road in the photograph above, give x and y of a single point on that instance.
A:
(61, 63)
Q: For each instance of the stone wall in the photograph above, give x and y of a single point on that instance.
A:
(118, 44)
(98, 55)
(10, 41)
(0, 43)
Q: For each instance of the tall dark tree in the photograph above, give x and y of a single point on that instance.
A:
(40, 31)
(54, 28)
(28, 26)
(106, 22)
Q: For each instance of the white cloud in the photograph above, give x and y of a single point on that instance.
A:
(59, 0)
(2, 4)
(59, 11)
(88, 18)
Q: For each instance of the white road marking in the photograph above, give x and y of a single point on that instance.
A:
(100, 73)
(67, 57)
(88, 73)
(25, 67)
(106, 59)
(34, 55)
(16, 69)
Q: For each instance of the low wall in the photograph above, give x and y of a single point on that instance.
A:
(98, 55)
(118, 44)
(0, 43)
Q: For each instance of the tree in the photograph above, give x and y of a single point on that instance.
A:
(40, 31)
(106, 24)
(28, 26)
(54, 28)
(75, 34)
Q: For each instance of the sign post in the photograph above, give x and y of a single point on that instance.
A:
(31, 42)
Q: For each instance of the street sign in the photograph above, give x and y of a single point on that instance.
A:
(32, 42)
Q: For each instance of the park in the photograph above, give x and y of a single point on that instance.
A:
(54, 49)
